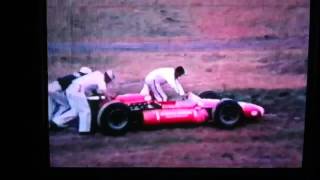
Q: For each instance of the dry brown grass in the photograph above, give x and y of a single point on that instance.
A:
(231, 70)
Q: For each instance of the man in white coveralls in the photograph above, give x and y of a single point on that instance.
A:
(57, 99)
(161, 76)
(95, 82)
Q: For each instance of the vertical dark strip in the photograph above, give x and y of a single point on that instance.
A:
(155, 87)
(312, 124)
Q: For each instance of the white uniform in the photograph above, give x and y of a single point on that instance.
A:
(76, 94)
(57, 101)
(158, 77)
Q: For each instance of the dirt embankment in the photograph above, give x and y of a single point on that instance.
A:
(166, 20)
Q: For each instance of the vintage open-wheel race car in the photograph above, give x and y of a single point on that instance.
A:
(117, 116)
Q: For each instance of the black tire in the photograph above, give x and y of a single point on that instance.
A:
(228, 114)
(209, 95)
(114, 118)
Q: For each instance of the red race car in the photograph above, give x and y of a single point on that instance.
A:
(118, 115)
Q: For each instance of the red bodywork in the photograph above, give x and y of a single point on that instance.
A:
(192, 110)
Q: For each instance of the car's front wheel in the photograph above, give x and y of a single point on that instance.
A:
(114, 118)
(228, 114)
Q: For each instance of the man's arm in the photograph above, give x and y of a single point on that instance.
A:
(174, 83)
(102, 85)
(110, 92)
(179, 88)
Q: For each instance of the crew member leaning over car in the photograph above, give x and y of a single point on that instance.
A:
(93, 83)
(57, 100)
(161, 76)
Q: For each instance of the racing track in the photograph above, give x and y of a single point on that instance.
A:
(253, 44)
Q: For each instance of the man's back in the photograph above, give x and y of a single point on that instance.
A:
(90, 79)
(161, 74)
(65, 81)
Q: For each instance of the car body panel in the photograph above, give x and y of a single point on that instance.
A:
(192, 110)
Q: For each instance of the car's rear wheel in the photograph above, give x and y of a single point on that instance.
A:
(209, 95)
(114, 118)
(228, 114)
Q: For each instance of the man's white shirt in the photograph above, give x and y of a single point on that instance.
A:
(96, 78)
(165, 75)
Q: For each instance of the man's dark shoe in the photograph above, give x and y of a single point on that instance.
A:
(85, 133)
(54, 127)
